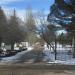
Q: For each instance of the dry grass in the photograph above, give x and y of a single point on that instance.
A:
(15, 70)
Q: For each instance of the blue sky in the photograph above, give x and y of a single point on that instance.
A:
(21, 5)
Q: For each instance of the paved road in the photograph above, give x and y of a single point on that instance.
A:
(19, 71)
(36, 69)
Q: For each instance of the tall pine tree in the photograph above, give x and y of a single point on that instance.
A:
(3, 26)
(63, 13)
(16, 34)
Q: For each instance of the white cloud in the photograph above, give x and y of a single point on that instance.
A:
(8, 1)
(19, 13)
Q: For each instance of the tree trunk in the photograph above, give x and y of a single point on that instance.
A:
(55, 49)
(73, 43)
(74, 52)
(0, 42)
(12, 46)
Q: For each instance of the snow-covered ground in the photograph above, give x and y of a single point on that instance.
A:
(67, 62)
(17, 57)
(62, 57)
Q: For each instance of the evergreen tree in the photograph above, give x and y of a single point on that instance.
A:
(3, 26)
(63, 13)
(16, 34)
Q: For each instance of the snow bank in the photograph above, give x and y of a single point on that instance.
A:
(67, 62)
(17, 57)
(62, 57)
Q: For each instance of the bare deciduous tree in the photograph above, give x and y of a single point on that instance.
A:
(46, 33)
